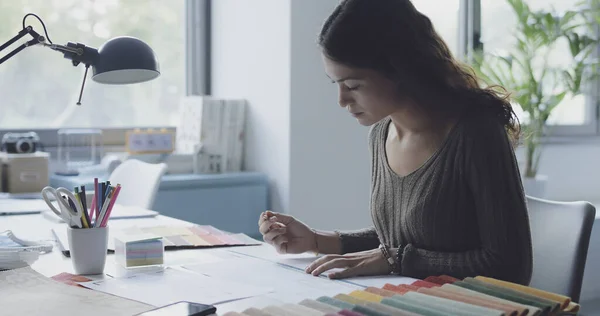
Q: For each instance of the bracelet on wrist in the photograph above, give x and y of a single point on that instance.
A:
(392, 262)
(399, 257)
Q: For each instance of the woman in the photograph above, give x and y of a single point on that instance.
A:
(446, 194)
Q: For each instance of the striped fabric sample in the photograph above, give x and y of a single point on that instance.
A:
(302, 310)
(437, 280)
(389, 310)
(275, 310)
(508, 310)
(554, 306)
(545, 309)
(448, 278)
(452, 306)
(326, 308)
(366, 296)
(415, 308)
(433, 296)
(380, 292)
(252, 311)
(335, 302)
(362, 309)
(350, 299)
(561, 299)
(422, 283)
(528, 309)
(346, 312)
(395, 288)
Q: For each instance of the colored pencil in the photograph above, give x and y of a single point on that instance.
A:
(96, 200)
(111, 205)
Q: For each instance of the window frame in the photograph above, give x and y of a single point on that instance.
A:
(197, 76)
(555, 133)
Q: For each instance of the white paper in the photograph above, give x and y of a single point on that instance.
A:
(22, 206)
(170, 285)
(289, 284)
(301, 261)
(26, 292)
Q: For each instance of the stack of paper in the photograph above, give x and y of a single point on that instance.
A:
(26, 292)
(139, 250)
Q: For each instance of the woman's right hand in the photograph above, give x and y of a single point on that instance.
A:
(286, 234)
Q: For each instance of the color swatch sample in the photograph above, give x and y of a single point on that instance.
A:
(70, 279)
(139, 250)
(182, 237)
(437, 296)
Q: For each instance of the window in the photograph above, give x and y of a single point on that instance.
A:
(574, 115)
(39, 88)
(445, 19)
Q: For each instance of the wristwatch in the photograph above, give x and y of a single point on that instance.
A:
(389, 258)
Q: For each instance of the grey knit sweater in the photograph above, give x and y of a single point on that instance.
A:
(462, 213)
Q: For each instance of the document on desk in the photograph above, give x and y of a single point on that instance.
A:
(171, 285)
(22, 206)
(301, 261)
(26, 292)
(289, 284)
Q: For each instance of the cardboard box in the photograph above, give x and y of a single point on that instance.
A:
(24, 173)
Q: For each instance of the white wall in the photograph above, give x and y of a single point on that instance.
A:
(573, 171)
(329, 152)
(251, 58)
(315, 154)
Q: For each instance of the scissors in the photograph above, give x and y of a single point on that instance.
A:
(71, 216)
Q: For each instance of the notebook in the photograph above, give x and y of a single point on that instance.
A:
(173, 237)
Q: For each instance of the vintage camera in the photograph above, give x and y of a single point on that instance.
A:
(20, 143)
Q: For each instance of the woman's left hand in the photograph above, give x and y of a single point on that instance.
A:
(370, 262)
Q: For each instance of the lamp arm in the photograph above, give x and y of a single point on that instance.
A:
(37, 38)
(65, 49)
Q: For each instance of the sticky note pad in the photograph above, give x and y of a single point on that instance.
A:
(139, 250)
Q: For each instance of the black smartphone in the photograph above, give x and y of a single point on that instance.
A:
(181, 309)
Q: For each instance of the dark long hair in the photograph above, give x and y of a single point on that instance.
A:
(393, 38)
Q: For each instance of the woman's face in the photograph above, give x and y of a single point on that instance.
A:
(366, 94)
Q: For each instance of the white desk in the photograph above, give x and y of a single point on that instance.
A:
(37, 227)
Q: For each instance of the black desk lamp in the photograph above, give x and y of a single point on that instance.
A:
(121, 60)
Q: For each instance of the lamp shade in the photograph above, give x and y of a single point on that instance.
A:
(125, 60)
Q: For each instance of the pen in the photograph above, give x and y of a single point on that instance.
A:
(96, 201)
(81, 199)
(102, 213)
(84, 220)
(84, 202)
(111, 205)
(102, 194)
(93, 207)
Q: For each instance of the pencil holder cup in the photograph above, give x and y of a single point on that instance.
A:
(87, 247)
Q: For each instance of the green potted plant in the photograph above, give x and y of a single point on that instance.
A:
(535, 84)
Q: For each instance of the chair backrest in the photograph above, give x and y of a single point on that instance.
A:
(560, 233)
(139, 182)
